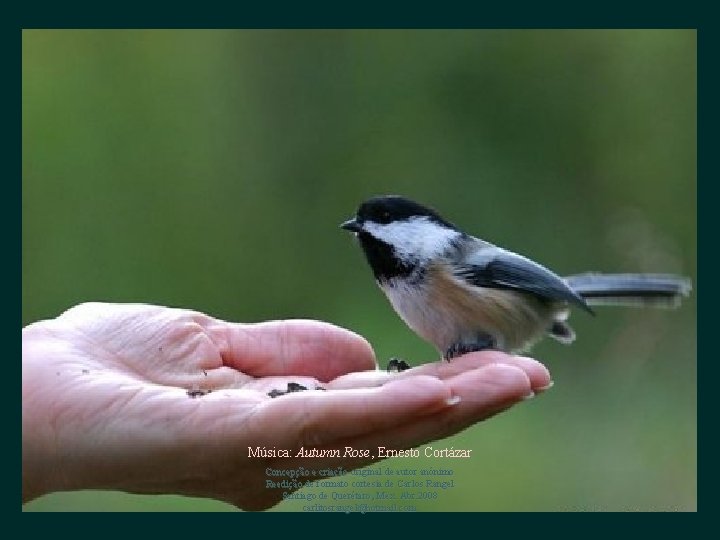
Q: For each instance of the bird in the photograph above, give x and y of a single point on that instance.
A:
(464, 294)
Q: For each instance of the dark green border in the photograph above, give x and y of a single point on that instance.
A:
(369, 14)
(366, 15)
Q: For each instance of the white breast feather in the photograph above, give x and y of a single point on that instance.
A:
(514, 323)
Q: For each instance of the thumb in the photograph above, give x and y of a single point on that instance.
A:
(292, 347)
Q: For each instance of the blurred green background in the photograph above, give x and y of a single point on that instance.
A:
(210, 169)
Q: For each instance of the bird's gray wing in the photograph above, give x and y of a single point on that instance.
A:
(497, 268)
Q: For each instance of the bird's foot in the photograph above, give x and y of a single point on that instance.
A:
(483, 343)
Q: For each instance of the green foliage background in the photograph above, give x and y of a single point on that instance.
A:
(210, 169)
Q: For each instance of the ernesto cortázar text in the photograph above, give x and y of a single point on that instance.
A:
(350, 452)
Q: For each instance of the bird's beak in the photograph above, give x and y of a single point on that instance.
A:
(351, 225)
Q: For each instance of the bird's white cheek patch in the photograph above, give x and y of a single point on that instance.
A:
(413, 239)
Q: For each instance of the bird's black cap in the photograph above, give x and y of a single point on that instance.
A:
(388, 208)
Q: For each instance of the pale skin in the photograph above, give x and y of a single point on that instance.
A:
(106, 404)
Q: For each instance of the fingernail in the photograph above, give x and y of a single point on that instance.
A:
(454, 400)
(546, 387)
(529, 396)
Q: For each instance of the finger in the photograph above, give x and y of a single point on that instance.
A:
(362, 379)
(483, 392)
(538, 374)
(294, 347)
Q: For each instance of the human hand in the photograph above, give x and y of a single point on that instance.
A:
(106, 404)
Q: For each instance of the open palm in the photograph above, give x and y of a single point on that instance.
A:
(149, 399)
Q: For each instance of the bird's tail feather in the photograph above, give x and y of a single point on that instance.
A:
(656, 290)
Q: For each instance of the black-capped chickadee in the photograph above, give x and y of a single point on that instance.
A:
(464, 294)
